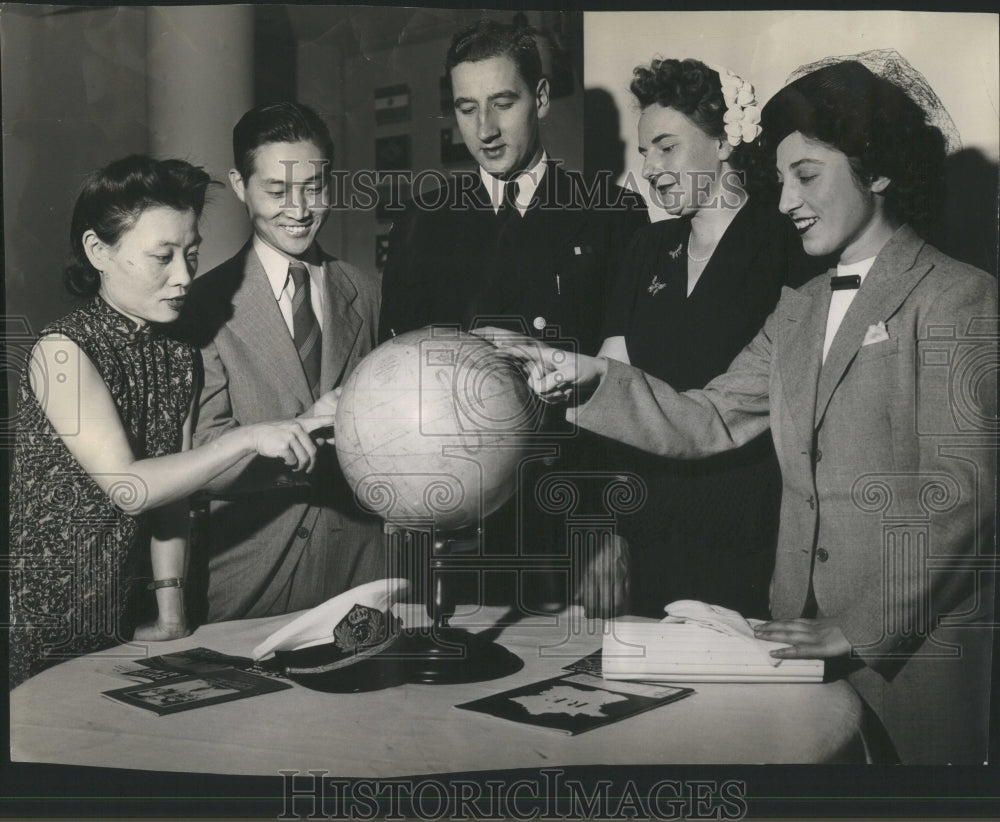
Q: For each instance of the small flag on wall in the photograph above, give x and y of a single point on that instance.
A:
(392, 104)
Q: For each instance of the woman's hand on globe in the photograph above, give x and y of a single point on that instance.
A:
(290, 440)
(553, 373)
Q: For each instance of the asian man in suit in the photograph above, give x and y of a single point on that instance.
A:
(280, 326)
(520, 242)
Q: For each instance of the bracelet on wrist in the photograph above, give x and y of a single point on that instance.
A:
(174, 582)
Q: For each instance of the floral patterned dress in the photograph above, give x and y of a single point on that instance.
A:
(74, 554)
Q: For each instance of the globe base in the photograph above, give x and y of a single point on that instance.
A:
(451, 656)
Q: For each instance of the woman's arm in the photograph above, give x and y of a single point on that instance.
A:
(84, 414)
(168, 547)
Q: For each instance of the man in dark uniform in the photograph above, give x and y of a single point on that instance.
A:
(521, 243)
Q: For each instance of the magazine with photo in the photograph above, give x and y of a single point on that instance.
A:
(575, 703)
(184, 693)
(141, 673)
(205, 661)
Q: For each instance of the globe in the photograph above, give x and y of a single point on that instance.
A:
(431, 427)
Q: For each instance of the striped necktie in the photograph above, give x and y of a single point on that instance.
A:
(306, 333)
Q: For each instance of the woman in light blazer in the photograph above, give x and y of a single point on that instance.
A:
(877, 382)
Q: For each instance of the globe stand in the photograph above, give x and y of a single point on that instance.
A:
(444, 654)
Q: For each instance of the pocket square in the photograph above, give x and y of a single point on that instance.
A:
(875, 333)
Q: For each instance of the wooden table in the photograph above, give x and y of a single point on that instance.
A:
(59, 716)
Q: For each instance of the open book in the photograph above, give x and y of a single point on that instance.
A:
(695, 652)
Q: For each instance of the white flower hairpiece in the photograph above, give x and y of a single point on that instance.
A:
(742, 117)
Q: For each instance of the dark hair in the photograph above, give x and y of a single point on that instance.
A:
(114, 197)
(695, 90)
(281, 122)
(488, 38)
(883, 132)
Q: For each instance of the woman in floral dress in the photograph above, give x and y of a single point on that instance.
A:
(103, 464)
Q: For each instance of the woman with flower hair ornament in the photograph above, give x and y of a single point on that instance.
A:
(877, 382)
(691, 293)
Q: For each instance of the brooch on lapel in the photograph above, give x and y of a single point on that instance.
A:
(676, 252)
(655, 285)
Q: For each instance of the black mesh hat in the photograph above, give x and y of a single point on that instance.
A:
(890, 65)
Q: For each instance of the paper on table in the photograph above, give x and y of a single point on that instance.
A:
(697, 643)
(723, 620)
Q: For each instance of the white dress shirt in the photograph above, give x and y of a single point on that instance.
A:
(527, 183)
(841, 300)
(276, 267)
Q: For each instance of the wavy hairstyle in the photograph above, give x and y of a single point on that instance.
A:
(695, 90)
(488, 38)
(114, 197)
(876, 124)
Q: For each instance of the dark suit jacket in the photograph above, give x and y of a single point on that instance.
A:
(556, 265)
(278, 542)
(887, 469)
(550, 273)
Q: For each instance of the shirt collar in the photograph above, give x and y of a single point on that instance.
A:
(860, 268)
(527, 183)
(276, 266)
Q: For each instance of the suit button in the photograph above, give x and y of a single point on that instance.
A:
(818, 455)
(302, 533)
(822, 555)
(539, 323)
(812, 503)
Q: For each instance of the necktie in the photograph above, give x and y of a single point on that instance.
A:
(508, 207)
(306, 331)
(507, 214)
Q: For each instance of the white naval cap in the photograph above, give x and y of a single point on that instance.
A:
(351, 623)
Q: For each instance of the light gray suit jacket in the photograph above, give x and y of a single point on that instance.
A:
(278, 543)
(887, 461)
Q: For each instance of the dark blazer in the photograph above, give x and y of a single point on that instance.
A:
(278, 543)
(550, 273)
(887, 464)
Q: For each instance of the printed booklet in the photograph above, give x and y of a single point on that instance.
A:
(575, 703)
(184, 693)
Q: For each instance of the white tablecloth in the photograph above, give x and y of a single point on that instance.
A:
(59, 716)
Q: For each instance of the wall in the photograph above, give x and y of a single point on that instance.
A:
(74, 98)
